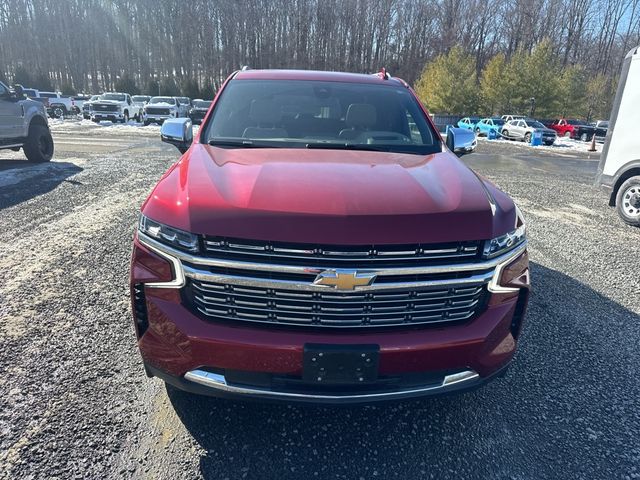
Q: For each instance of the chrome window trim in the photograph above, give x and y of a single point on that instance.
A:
(219, 382)
(309, 270)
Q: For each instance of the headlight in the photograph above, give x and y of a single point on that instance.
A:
(508, 241)
(172, 236)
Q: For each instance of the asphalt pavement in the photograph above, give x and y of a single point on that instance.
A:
(75, 403)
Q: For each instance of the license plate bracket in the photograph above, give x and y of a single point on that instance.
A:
(340, 364)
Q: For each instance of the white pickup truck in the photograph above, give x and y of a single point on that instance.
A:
(59, 105)
(115, 106)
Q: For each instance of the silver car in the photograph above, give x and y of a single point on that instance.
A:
(522, 129)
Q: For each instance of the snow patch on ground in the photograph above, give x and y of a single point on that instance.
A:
(53, 170)
(562, 144)
(107, 127)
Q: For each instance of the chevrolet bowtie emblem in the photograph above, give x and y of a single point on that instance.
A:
(344, 279)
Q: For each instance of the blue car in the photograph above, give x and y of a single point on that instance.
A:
(468, 122)
(484, 126)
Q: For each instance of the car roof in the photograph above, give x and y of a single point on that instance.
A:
(318, 76)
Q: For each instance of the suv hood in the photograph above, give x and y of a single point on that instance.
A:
(161, 104)
(329, 196)
(108, 102)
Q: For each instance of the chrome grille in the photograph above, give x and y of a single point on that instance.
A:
(157, 111)
(335, 256)
(332, 308)
(105, 108)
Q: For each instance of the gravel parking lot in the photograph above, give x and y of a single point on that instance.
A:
(75, 403)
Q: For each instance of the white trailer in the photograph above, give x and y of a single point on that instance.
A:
(619, 169)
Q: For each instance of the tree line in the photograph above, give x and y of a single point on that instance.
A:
(172, 46)
(532, 83)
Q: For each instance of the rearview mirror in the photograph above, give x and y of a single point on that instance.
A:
(461, 141)
(178, 132)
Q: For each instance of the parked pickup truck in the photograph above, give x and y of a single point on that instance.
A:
(116, 107)
(87, 107)
(320, 242)
(59, 105)
(34, 94)
(160, 109)
(23, 124)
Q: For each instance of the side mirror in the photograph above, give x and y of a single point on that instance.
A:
(178, 132)
(461, 141)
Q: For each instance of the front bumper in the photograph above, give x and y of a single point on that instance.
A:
(203, 382)
(112, 116)
(245, 360)
(157, 117)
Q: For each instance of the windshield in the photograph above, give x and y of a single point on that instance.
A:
(315, 114)
(118, 97)
(140, 98)
(169, 100)
(201, 104)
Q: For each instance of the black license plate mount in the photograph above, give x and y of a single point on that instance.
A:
(340, 364)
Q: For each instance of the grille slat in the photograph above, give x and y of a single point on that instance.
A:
(158, 111)
(349, 309)
(335, 256)
(105, 108)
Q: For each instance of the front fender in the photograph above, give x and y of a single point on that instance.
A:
(32, 111)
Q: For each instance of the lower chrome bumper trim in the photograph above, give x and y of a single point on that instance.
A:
(218, 382)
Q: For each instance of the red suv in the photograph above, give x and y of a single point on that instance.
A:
(318, 242)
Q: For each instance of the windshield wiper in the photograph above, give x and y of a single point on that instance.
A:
(347, 146)
(232, 143)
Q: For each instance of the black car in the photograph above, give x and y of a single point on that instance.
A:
(199, 110)
(585, 133)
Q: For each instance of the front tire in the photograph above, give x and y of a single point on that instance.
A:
(58, 111)
(628, 201)
(584, 137)
(505, 134)
(567, 134)
(527, 138)
(125, 118)
(39, 145)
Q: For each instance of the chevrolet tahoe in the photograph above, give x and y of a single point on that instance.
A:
(318, 241)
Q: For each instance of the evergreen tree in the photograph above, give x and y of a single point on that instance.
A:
(42, 82)
(448, 84)
(152, 88)
(572, 87)
(67, 89)
(495, 85)
(190, 88)
(169, 88)
(22, 76)
(126, 84)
